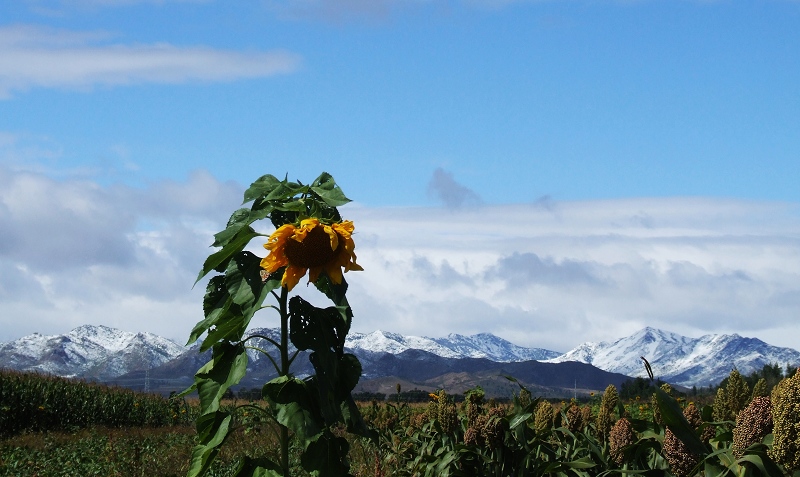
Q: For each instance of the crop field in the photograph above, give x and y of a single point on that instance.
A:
(120, 433)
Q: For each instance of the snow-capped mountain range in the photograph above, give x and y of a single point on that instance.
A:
(483, 345)
(103, 353)
(680, 360)
(97, 352)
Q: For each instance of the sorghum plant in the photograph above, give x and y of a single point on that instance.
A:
(786, 420)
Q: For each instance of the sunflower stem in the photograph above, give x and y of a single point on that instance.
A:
(284, 371)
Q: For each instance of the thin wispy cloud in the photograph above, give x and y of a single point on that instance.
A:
(38, 57)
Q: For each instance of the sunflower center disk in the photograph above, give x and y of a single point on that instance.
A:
(313, 251)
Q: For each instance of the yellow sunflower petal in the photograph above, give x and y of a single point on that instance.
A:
(313, 274)
(279, 237)
(292, 276)
(273, 262)
(333, 236)
(334, 271)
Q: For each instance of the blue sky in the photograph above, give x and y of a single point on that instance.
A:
(136, 125)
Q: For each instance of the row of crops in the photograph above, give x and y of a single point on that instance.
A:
(33, 402)
(742, 433)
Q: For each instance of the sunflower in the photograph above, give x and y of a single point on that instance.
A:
(312, 247)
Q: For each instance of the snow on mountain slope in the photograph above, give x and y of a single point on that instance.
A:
(88, 351)
(680, 360)
(393, 343)
(100, 352)
(487, 345)
(484, 345)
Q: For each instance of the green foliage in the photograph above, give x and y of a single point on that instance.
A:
(33, 402)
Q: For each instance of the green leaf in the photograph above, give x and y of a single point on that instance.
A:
(243, 278)
(215, 304)
(212, 430)
(582, 463)
(230, 327)
(240, 218)
(325, 187)
(762, 461)
(336, 293)
(264, 185)
(227, 367)
(673, 418)
(262, 467)
(219, 259)
(326, 456)
(294, 406)
(519, 419)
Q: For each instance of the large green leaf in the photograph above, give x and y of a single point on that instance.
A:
(336, 293)
(219, 259)
(216, 304)
(227, 367)
(264, 185)
(230, 327)
(519, 419)
(250, 467)
(294, 406)
(762, 461)
(326, 456)
(243, 278)
(212, 430)
(240, 218)
(327, 190)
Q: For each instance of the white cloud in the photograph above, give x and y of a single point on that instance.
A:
(34, 56)
(554, 277)
(74, 252)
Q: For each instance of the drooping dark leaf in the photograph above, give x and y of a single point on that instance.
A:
(349, 372)
(280, 217)
(317, 329)
(327, 456)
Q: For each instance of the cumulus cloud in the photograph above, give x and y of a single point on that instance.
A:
(75, 252)
(34, 56)
(592, 271)
(445, 189)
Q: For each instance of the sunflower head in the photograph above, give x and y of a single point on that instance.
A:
(312, 247)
